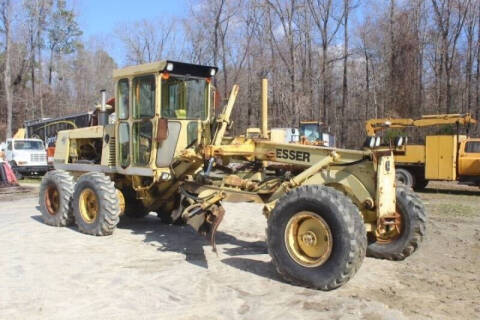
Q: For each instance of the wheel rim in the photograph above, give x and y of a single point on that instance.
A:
(308, 239)
(52, 200)
(88, 205)
(401, 178)
(390, 228)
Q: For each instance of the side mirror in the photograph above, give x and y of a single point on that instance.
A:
(162, 129)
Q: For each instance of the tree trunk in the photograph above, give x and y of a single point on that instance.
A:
(6, 73)
(392, 85)
(50, 67)
(32, 71)
(343, 129)
(367, 83)
(215, 38)
(40, 91)
(477, 76)
(324, 83)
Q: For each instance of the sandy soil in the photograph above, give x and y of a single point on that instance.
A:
(148, 270)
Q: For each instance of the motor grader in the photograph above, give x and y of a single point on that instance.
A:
(326, 208)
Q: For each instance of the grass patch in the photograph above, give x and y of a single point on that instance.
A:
(30, 180)
(454, 209)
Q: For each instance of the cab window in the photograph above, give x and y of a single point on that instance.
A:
(124, 144)
(123, 99)
(184, 98)
(28, 145)
(144, 97)
(142, 142)
(472, 147)
(192, 133)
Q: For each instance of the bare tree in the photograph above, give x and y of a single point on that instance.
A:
(449, 17)
(471, 22)
(343, 129)
(328, 20)
(6, 13)
(285, 13)
(146, 41)
(37, 16)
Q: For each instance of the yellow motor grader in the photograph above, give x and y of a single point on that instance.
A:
(326, 208)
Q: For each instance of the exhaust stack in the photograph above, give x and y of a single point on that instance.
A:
(102, 111)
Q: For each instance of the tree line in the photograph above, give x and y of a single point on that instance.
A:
(337, 61)
(47, 69)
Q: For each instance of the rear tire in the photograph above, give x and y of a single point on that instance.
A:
(414, 220)
(323, 215)
(95, 204)
(55, 198)
(404, 177)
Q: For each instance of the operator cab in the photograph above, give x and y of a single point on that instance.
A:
(315, 133)
(162, 107)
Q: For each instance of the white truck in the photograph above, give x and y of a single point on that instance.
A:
(26, 157)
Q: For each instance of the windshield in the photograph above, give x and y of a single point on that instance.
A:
(310, 131)
(28, 145)
(184, 98)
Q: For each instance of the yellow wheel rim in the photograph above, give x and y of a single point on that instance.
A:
(308, 239)
(52, 200)
(88, 204)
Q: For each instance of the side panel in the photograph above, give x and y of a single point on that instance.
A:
(61, 147)
(414, 154)
(108, 147)
(441, 157)
(166, 150)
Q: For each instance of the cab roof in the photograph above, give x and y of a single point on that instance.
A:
(180, 68)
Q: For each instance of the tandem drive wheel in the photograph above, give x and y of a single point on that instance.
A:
(95, 204)
(55, 198)
(316, 237)
(406, 232)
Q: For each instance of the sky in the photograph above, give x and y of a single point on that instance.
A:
(99, 18)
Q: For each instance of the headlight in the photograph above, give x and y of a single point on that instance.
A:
(170, 67)
(165, 176)
(399, 141)
(212, 72)
(371, 143)
(377, 142)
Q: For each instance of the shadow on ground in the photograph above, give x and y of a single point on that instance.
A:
(450, 191)
(184, 240)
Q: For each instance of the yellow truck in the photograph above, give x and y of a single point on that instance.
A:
(442, 157)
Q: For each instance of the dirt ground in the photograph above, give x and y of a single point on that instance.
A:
(148, 270)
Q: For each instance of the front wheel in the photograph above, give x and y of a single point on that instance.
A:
(95, 204)
(316, 237)
(405, 235)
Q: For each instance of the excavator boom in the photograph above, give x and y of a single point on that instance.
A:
(372, 126)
